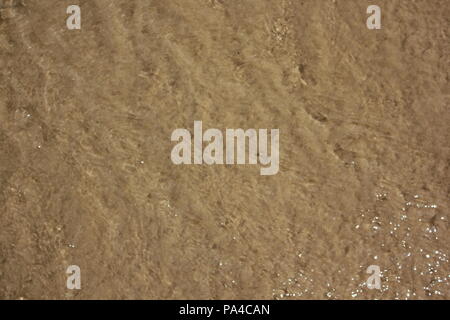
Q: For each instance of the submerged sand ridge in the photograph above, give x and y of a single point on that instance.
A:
(86, 176)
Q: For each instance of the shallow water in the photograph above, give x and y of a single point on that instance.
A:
(86, 177)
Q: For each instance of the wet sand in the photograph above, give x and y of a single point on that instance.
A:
(86, 177)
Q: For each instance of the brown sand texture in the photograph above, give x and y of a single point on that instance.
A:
(86, 176)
